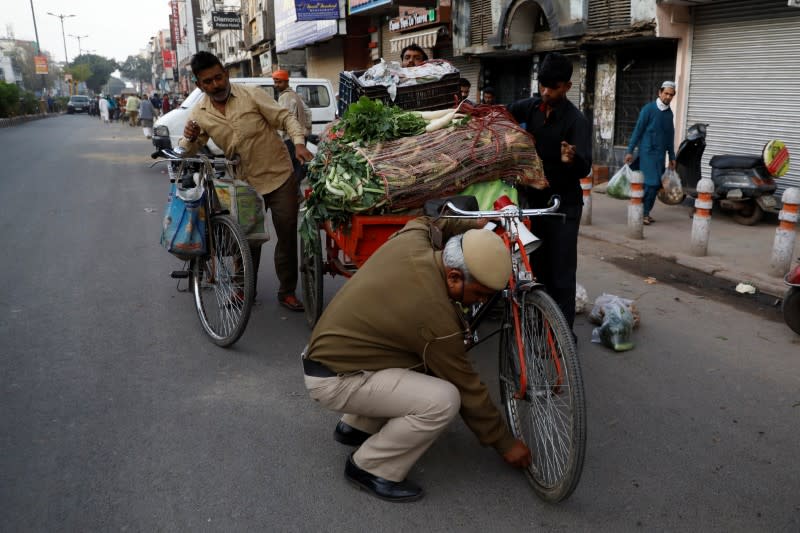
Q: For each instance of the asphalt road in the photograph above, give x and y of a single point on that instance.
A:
(118, 414)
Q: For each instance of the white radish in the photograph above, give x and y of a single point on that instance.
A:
(433, 115)
(440, 123)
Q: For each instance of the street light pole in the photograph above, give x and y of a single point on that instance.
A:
(38, 49)
(63, 36)
(79, 37)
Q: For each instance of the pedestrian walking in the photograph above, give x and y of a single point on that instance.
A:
(297, 107)
(132, 109)
(105, 110)
(146, 114)
(165, 104)
(654, 134)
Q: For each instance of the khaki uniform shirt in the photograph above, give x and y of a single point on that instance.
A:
(395, 313)
(249, 128)
(292, 101)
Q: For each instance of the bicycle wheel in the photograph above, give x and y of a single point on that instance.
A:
(311, 274)
(550, 417)
(224, 282)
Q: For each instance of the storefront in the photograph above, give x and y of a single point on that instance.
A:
(744, 78)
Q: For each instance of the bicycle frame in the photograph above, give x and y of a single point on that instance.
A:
(520, 281)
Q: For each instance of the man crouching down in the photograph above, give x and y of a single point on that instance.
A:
(390, 353)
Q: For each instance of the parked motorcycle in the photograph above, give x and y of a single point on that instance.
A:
(743, 184)
(791, 300)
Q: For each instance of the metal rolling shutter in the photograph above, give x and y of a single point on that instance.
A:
(471, 71)
(745, 74)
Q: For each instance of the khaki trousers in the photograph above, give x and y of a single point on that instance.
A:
(405, 410)
(282, 203)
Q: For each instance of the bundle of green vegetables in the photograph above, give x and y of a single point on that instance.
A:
(380, 159)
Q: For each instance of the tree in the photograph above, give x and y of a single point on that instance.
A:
(138, 69)
(99, 67)
(22, 59)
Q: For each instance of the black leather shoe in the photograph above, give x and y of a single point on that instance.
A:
(348, 435)
(392, 491)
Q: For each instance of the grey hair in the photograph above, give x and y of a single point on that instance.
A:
(453, 257)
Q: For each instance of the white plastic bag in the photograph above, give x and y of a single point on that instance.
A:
(581, 298)
(671, 183)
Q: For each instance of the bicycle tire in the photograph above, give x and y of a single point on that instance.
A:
(551, 417)
(222, 296)
(311, 274)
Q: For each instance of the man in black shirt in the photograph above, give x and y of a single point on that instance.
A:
(564, 143)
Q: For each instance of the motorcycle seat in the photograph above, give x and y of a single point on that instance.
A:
(736, 161)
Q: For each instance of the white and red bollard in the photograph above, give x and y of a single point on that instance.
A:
(701, 224)
(783, 246)
(635, 207)
(586, 188)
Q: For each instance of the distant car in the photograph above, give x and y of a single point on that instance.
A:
(78, 104)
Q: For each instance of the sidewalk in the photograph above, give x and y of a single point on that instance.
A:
(736, 253)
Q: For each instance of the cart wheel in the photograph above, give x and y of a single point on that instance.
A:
(311, 273)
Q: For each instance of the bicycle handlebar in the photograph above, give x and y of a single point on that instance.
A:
(177, 154)
(507, 212)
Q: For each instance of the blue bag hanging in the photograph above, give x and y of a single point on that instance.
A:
(185, 223)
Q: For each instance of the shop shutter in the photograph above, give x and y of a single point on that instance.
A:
(745, 75)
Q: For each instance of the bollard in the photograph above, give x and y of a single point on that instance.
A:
(586, 214)
(785, 235)
(636, 208)
(701, 225)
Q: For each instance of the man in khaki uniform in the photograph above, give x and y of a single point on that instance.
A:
(390, 352)
(244, 121)
(292, 101)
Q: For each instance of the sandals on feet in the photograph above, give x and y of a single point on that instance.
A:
(291, 302)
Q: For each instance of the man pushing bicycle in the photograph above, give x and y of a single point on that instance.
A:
(394, 362)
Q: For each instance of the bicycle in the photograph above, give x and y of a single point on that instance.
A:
(541, 386)
(223, 280)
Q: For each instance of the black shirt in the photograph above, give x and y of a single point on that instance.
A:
(565, 123)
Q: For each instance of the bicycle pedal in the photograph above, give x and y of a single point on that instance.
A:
(179, 274)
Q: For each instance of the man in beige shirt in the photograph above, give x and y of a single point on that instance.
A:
(244, 121)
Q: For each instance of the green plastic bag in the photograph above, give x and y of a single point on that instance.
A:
(619, 186)
(246, 207)
(488, 191)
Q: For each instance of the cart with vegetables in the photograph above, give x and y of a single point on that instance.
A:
(379, 164)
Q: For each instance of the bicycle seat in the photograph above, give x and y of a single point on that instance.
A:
(433, 208)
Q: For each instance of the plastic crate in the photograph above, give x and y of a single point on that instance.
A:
(433, 95)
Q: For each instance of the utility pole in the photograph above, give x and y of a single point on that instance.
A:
(63, 35)
(38, 53)
(79, 37)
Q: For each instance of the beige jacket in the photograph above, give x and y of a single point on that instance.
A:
(249, 127)
(395, 313)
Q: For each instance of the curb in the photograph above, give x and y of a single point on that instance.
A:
(707, 265)
(13, 121)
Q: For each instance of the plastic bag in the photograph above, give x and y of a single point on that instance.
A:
(617, 318)
(671, 183)
(619, 186)
(581, 298)
(246, 207)
(184, 226)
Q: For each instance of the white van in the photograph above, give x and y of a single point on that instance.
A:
(317, 93)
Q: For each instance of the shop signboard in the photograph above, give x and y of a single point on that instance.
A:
(226, 20)
(360, 6)
(289, 33)
(316, 9)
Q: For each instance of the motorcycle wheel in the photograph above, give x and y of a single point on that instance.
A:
(673, 198)
(749, 215)
(791, 309)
